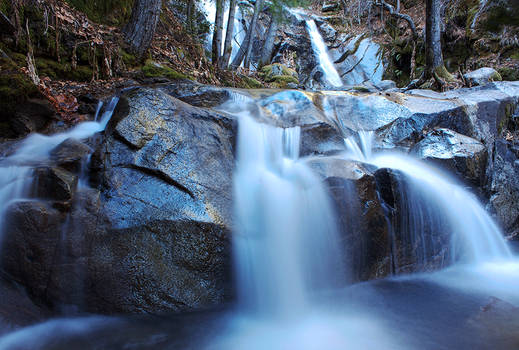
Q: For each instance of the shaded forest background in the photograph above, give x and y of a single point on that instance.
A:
(70, 51)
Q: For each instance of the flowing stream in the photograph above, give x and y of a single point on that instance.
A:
(16, 170)
(434, 204)
(291, 281)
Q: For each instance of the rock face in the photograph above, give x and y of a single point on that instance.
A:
(152, 233)
(482, 76)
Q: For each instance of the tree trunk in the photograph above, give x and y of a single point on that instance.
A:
(190, 14)
(257, 9)
(434, 66)
(227, 47)
(140, 30)
(218, 32)
(268, 46)
(433, 48)
(247, 42)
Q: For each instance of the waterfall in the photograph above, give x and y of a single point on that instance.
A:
(321, 53)
(16, 170)
(432, 205)
(286, 243)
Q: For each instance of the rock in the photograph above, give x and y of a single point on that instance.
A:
(329, 7)
(279, 75)
(31, 116)
(327, 32)
(362, 64)
(503, 190)
(69, 154)
(54, 183)
(386, 85)
(295, 108)
(497, 320)
(362, 220)
(461, 155)
(167, 170)
(29, 245)
(482, 76)
(197, 94)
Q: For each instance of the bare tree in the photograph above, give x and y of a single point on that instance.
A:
(246, 46)
(218, 32)
(227, 47)
(140, 30)
(268, 46)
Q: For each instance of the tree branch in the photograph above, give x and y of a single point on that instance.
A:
(397, 14)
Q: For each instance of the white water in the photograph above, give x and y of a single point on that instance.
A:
(285, 242)
(321, 52)
(432, 201)
(16, 170)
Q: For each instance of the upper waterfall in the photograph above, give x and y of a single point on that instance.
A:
(321, 52)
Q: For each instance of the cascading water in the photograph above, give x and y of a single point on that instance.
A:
(431, 203)
(286, 242)
(16, 170)
(321, 52)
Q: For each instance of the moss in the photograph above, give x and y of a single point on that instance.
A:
(443, 73)
(129, 59)
(360, 88)
(113, 12)
(154, 70)
(15, 87)
(508, 73)
(251, 83)
(282, 81)
(81, 73)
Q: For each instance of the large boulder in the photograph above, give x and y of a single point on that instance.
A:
(503, 187)
(459, 154)
(482, 76)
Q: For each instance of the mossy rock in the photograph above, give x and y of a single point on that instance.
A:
(15, 88)
(282, 81)
(63, 70)
(251, 83)
(270, 72)
(154, 70)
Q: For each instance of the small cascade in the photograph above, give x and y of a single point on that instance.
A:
(16, 170)
(321, 53)
(434, 212)
(286, 243)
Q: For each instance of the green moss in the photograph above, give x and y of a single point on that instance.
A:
(508, 73)
(271, 74)
(282, 81)
(360, 88)
(251, 83)
(15, 87)
(114, 12)
(129, 59)
(154, 70)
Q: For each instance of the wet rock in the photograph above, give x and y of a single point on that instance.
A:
(363, 61)
(461, 155)
(167, 173)
(329, 7)
(296, 108)
(54, 183)
(32, 116)
(69, 154)
(503, 174)
(386, 85)
(361, 216)
(328, 33)
(29, 244)
(479, 112)
(197, 94)
(482, 76)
